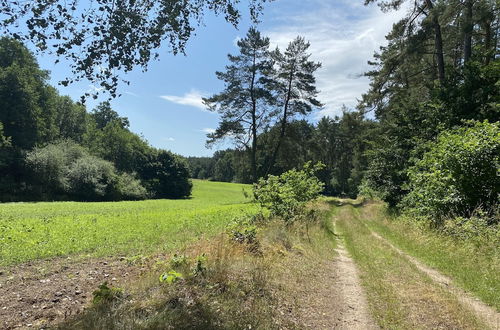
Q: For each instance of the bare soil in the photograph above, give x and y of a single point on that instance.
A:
(332, 297)
(37, 294)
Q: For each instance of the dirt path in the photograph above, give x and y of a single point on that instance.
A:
(489, 315)
(352, 309)
(332, 296)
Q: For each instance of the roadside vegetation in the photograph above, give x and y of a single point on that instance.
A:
(471, 259)
(241, 279)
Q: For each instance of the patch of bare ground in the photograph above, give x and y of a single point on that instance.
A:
(328, 295)
(484, 312)
(352, 311)
(41, 293)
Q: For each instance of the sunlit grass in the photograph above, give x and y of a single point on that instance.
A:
(31, 231)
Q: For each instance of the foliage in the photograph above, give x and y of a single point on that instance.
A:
(106, 161)
(440, 67)
(130, 188)
(458, 174)
(286, 195)
(170, 277)
(245, 105)
(295, 87)
(104, 294)
(166, 175)
(25, 98)
(64, 168)
(90, 178)
(51, 164)
(99, 41)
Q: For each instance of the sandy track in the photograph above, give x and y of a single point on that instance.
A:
(352, 310)
(486, 313)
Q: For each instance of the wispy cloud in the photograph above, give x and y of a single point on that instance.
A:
(169, 139)
(192, 98)
(235, 41)
(131, 93)
(343, 36)
(94, 89)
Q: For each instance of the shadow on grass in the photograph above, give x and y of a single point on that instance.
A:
(352, 202)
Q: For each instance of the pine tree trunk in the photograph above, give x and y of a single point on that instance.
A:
(253, 153)
(438, 42)
(468, 31)
(487, 43)
(283, 124)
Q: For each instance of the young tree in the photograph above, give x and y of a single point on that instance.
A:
(295, 86)
(103, 38)
(245, 102)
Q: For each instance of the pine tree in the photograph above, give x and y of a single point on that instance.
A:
(246, 101)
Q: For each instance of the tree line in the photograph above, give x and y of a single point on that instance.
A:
(52, 148)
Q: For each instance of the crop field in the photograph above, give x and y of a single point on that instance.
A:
(31, 231)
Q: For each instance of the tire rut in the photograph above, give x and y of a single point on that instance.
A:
(486, 313)
(353, 311)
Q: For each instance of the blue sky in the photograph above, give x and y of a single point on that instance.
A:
(164, 103)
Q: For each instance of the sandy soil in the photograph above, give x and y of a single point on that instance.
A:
(333, 298)
(484, 312)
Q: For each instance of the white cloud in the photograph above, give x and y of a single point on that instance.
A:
(169, 139)
(343, 37)
(94, 89)
(192, 98)
(208, 130)
(235, 41)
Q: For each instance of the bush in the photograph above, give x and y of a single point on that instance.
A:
(49, 166)
(286, 195)
(91, 178)
(166, 175)
(458, 174)
(65, 170)
(130, 188)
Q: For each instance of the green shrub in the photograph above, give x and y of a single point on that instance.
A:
(286, 195)
(91, 178)
(166, 175)
(459, 173)
(105, 294)
(49, 165)
(130, 188)
(66, 170)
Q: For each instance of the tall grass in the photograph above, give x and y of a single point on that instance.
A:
(473, 264)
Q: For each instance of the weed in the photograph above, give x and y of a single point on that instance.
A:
(105, 294)
(170, 277)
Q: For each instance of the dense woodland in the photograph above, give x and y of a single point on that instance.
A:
(52, 148)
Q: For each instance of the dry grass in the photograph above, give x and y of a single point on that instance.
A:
(400, 296)
(242, 286)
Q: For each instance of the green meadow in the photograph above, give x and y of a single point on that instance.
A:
(30, 231)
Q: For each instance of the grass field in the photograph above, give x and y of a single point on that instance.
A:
(31, 231)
